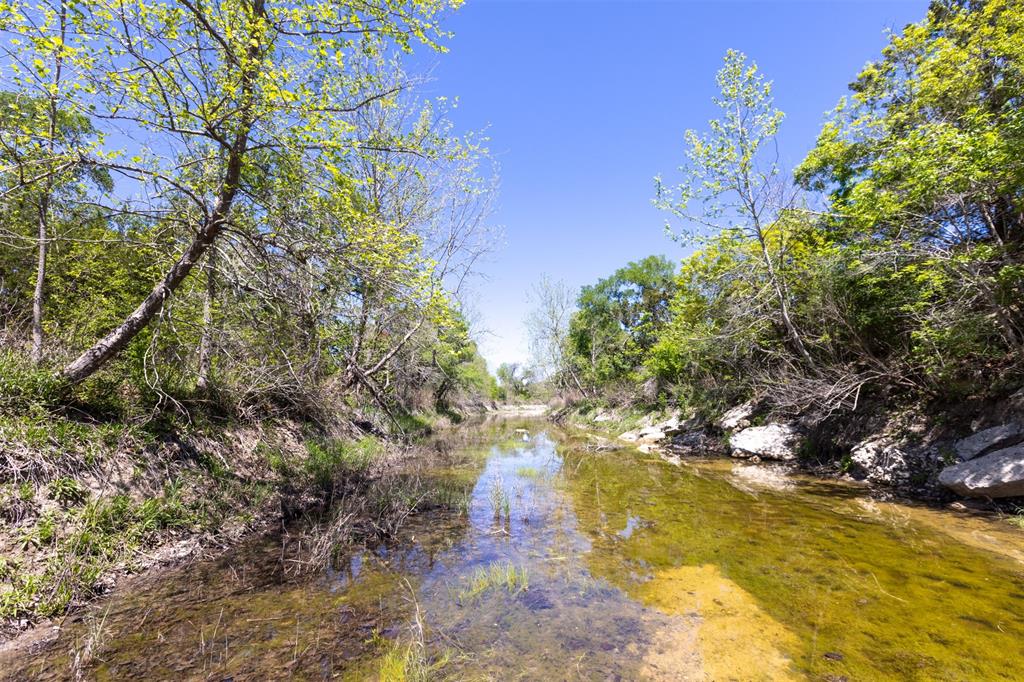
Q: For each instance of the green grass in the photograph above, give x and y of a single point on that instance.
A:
(451, 495)
(329, 460)
(67, 491)
(500, 502)
(86, 542)
(410, 663)
(495, 576)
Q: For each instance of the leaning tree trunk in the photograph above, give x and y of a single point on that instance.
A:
(104, 349)
(92, 359)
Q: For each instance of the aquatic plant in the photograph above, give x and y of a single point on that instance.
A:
(529, 472)
(89, 645)
(409, 662)
(451, 495)
(497, 575)
(500, 502)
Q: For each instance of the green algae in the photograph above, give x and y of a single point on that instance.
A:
(866, 598)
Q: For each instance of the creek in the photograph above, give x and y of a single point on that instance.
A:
(566, 563)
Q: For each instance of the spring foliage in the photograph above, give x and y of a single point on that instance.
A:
(892, 265)
(244, 201)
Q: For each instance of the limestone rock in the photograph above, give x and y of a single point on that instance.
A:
(655, 433)
(880, 461)
(737, 418)
(997, 474)
(995, 438)
(773, 441)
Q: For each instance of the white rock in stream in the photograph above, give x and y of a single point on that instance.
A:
(773, 441)
(999, 474)
(655, 433)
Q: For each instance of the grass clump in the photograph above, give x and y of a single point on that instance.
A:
(67, 491)
(530, 472)
(499, 575)
(451, 495)
(500, 502)
(329, 460)
(409, 662)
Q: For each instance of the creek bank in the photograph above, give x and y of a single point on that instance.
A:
(907, 453)
(88, 504)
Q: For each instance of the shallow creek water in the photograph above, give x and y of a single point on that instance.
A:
(637, 569)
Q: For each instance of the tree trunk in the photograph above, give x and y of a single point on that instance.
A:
(44, 204)
(37, 294)
(794, 335)
(206, 340)
(104, 349)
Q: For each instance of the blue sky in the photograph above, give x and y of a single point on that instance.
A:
(585, 102)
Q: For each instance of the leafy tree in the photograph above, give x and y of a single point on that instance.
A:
(932, 138)
(733, 178)
(620, 317)
(514, 379)
(924, 166)
(221, 89)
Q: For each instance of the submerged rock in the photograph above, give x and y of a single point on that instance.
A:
(998, 474)
(697, 442)
(987, 440)
(773, 441)
(773, 477)
(655, 433)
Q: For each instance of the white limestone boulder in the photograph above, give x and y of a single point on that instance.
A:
(772, 441)
(988, 440)
(997, 474)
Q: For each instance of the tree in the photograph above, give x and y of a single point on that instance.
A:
(226, 88)
(925, 161)
(514, 379)
(44, 185)
(547, 326)
(619, 318)
(44, 137)
(738, 189)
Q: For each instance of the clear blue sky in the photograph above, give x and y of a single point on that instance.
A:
(586, 101)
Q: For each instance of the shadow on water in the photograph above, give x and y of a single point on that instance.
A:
(565, 564)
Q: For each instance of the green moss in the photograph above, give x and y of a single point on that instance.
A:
(896, 599)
